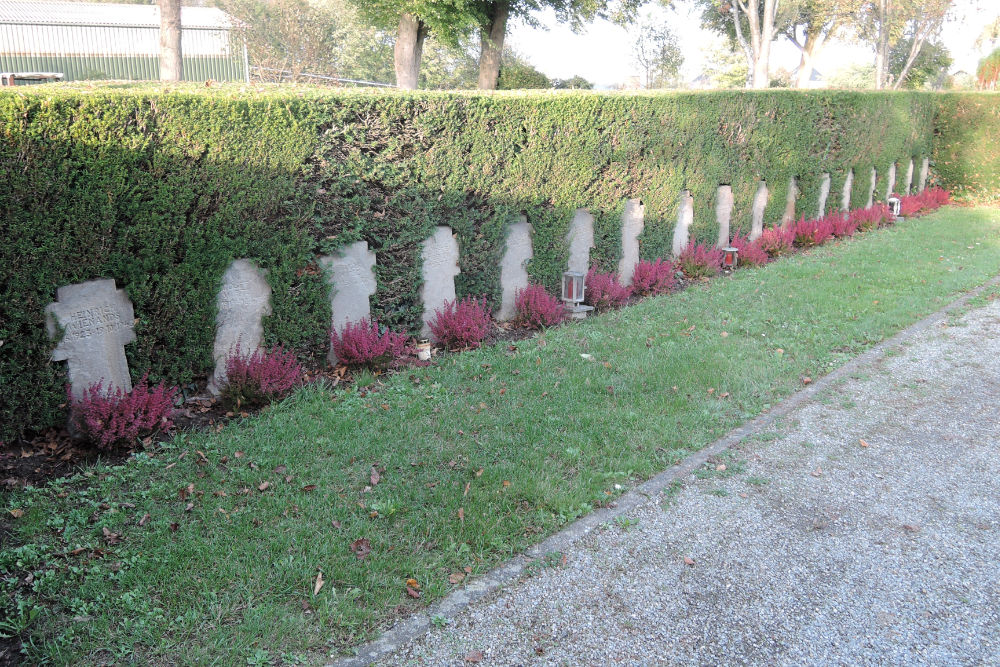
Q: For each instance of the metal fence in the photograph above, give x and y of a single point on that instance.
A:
(123, 52)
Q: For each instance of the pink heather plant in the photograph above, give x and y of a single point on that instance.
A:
(257, 379)
(536, 308)
(870, 218)
(462, 324)
(810, 233)
(843, 226)
(656, 277)
(751, 254)
(700, 261)
(113, 419)
(361, 344)
(776, 241)
(923, 202)
(604, 291)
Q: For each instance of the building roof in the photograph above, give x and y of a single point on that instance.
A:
(105, 14)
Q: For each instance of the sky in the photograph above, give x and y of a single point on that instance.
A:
(602, 53)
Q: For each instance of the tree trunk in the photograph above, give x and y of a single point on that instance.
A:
(407, 51)
(762, 69)
(491, 44)
(170, 40)
(747, 52)
(882, 47)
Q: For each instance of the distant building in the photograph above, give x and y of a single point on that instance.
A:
(113, 41)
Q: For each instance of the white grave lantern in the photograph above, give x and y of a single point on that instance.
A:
(730, 258)
(895, 205)
(573, 289)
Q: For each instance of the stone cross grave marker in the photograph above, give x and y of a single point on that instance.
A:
(440, 266)
(97, 322)
(632, 225)
(513, 274)
(243, 301)
(351, 275)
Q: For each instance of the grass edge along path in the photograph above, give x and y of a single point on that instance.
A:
(212, 548)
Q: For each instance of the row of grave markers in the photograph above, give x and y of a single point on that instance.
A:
(97, 320)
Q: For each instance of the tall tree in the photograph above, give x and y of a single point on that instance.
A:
(170, 40)
(494, 15)
(751, 26)
(884, 23)
(657, 54)
(413, 20)
(809, 24)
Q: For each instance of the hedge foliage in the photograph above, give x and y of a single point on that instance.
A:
(967, 146)
(160, 188)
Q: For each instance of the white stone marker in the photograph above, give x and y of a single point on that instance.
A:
(891, 183)
(759, 205)
(871, 188)
(513, 274)
(350, 273)
(824, 193)
(845, 196)
(244, 300)
(97, 321)
(633, 221)
(440, 266)
(925, 168)
(724, 213)
(793, 193)
(685, 217)
(580, 238)
(909, 178)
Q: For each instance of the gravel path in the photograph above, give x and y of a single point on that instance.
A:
(799, 546)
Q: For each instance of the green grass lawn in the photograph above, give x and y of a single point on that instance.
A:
(478, 457)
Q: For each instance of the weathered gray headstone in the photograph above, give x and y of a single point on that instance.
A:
(845, 196)
(244, 300)
(580, 239)
(685, 217)
(824, 193)
(890, 181)
(793, 194)
(513, 274)
(871, 187)
(925, 168)
(909, 178)
(350, 273)
(724, 213)
(633, 220)
(97, 322)
(440, 266)
(759, 206)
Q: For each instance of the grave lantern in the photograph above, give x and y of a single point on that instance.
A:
(731, 257)
(895, 205)
(573, 288)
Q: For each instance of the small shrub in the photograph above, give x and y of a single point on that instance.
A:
(776, 241)
(700, 261)
(872, 217)
(604, 291)
(115, 419)
(257, 379)
(362, 344)
(751, 254)
(656, 277)
(461, 324)
(536, 308)
(923, 202)
(842, 225)
(810, 233)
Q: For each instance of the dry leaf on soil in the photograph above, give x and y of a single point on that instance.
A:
(361, 548)
(319, 583)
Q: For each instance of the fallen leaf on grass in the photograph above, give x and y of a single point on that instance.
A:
(263, 486)
(412, 593)
(319, 583)
(375, 477)
(721, 467)
(474, 656)
(806, 380)
(479, 473)
(189, 507)
(461, 514)
(456, 577)
(144, 520)
(174, 527)
(361, 548)
(109, 537)
(413, 583)
(309, 487)
(281, 469)
(17, 514)
(466, 492)
(336, 524)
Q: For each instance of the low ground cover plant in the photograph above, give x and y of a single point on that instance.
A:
(700, 261)
(115, 419)
(924, 202)
(656, 277)
(843, 226)
(364, 343)
(776, 241)
(258, 378)
(751, 253)
(536, 308)
(809, 233)
(462, 324)
(604, 291)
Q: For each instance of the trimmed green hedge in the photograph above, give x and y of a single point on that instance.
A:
(967, 146)
(161, 188)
